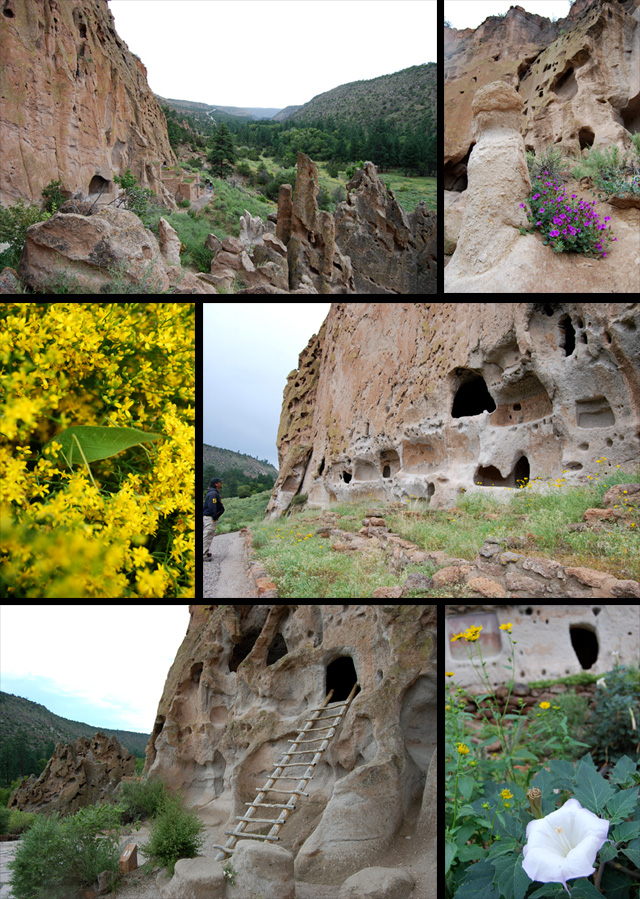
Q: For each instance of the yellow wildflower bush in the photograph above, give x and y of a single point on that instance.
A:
(123, 527)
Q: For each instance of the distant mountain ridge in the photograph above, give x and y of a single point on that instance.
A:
(223, 459)
(403, 96)
(399, 97)
(191, 106)
(35, 725)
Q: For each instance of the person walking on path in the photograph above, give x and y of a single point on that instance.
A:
(212, 511)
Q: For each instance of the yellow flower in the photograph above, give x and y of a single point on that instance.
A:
(462, 749)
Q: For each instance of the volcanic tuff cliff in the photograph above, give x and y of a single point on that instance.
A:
(244, 682)
(74, 103)
(398, 400)
(579, 78)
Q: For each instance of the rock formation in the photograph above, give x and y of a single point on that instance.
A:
(578, 78)
(90, 251)
(77, 774)
(570, 638)
(399, 400)
(391, 252)
(493, 254)
(244, 680)
(370, 245)
(74, 103)
(498, 182)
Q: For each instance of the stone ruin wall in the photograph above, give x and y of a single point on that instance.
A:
(553, 641)
(421, 400)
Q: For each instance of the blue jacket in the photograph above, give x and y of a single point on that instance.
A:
(213, 504)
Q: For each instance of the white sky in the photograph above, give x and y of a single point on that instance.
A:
(249, 349)
(105, 666)
(471, 13)
(272, 53)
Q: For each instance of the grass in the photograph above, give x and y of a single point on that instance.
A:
(298, 552)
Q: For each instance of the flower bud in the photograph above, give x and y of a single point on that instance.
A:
(535, 802)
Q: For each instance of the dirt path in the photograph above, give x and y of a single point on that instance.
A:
(225, 576)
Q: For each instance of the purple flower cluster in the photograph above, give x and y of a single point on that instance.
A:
(567, 226)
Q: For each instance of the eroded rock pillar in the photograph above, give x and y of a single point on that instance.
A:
(498, 181)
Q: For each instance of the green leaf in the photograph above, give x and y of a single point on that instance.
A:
(592, 791)
(98, 443)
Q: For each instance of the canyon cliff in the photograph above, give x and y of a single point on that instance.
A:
(244, 682)
(578, 78)
(398, 400)
(74, 103)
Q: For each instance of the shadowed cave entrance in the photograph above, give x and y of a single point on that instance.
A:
(585, 645)
(341, 676)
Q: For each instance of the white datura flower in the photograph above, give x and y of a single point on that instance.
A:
(564, 844)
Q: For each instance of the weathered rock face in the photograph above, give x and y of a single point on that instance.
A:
(74, 103)
(569, 638)
(77, 774)
(494, 254)
(391, 252)
(370, 245)
(400, 400)
(579, 78)
(244, 682)
(498, 182)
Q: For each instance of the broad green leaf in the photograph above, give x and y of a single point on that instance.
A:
(98, 443)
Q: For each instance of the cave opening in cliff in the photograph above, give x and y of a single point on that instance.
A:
(242, 649)
(490, 476)
(586, 138)
(567, 335)
(98, 185)
(346, 476)
(585, 645)
(472, 398)
(341, 676)
(630, 114)
(277, 649)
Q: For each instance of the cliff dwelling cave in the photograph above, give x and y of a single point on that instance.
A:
(341, 675)
(585, 645)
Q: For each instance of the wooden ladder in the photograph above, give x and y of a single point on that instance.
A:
(306, 736)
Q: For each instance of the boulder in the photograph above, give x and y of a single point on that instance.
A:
(251, 230)
(78, 774)
(88, 250)
(492, 253)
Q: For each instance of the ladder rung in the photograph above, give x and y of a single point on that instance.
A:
(222, 848)
(269, 805)
(250, 836)
(303, 751)
(293, 765)
(316, 740)
(288, 792)
(292, 777)
(257, 820)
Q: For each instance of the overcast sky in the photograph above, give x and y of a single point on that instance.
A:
(249, 349)
(471, 13)
(272, 53)
(105, 665)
